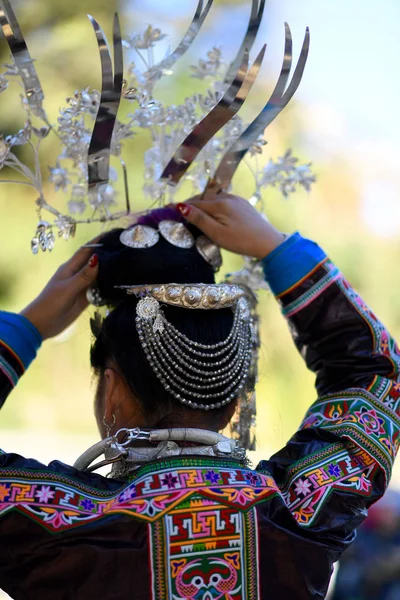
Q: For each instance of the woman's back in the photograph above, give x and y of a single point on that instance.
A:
(206, 527)
(182, 528)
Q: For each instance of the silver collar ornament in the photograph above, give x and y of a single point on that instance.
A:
(129, 449)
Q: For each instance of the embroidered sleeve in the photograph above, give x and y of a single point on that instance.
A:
(340, 460)
(19, 342)
(338, 335)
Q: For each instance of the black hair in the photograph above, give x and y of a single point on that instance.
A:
(118, 339)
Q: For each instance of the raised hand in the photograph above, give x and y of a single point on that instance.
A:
(232, 223)
(64, 297)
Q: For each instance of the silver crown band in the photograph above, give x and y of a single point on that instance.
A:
(191, 295)
(143, 236)
(170, 352)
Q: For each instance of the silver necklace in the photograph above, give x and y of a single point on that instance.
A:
(127, 455)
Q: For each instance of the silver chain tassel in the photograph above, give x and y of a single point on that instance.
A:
(171, 354)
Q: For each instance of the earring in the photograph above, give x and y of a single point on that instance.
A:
(108, 426)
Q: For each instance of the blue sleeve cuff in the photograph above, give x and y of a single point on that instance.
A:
(290, 262)
(20, 336)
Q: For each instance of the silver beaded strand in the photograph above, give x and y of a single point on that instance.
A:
(170, 352)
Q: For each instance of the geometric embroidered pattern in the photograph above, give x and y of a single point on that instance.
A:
(201, 514)
(203, 549)
(367, 418)
(203, 537)
(59, 506)
(311, 481)
(202, 518)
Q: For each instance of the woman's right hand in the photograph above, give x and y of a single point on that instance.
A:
(232, 223)
(64, 297)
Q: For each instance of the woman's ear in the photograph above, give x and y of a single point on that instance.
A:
(114, 392)
(121, 407)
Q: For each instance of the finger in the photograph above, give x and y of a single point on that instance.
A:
(211, 190)
(77, 261)
(211, 207)
(86, 276)
(198, 217)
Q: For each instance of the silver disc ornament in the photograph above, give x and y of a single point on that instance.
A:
(209, 251)
(139, 236)
(176, 234)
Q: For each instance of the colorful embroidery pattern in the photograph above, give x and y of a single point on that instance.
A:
(12, 358)
(383, 343)
(369, 419)
(203, 549)
(202, 519)
(202, 522)
(59, 506)
(311, 481)
(11, 369)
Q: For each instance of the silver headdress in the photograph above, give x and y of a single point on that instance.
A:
(82, 170)
(207, 141)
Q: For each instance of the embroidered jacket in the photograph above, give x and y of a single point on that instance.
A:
(199, 528)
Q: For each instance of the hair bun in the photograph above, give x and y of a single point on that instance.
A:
(162, 263)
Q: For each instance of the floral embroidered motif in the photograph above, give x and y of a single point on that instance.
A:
(44, 494)
(212, 476)
(88, 504)
(334, 470)
(170, 480)
(364, 417)
(252, 477)
(370, 421)
(59, 506)
(312, 480)
(4, 492)
(302, 487)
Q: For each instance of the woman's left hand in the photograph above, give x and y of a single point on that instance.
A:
(64, 297)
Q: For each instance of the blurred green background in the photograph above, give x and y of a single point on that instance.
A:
(344, 119)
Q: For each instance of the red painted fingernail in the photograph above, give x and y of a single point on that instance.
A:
(94, 261)
(184, 209)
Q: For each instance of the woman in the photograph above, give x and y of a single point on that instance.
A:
(189, 525)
